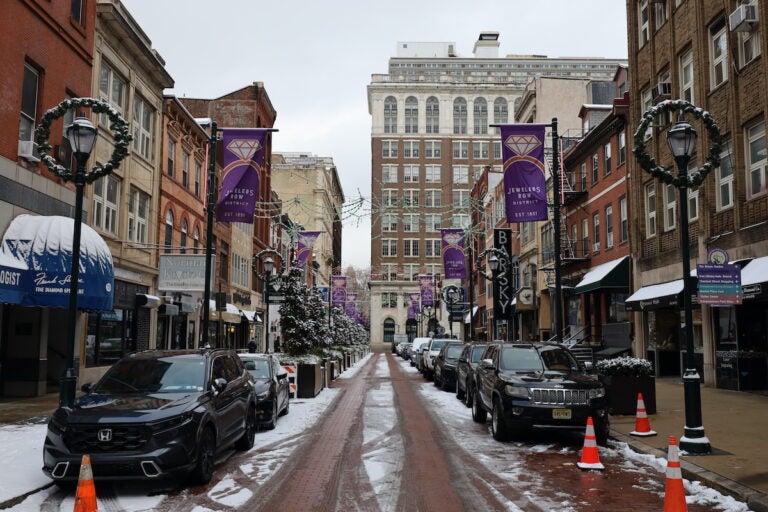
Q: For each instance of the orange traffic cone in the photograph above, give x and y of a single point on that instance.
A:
(674, 494)
(590, 459)
(642, 425)
(85, 498)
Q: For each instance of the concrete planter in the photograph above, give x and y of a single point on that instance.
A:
(309, 380)
(622, 393)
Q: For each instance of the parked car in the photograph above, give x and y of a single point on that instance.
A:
(273, 391)
(398, 339)
(416, 346)
(403, 349)
(430, 354)
(465, 370)
(155, 415)
(445, 365)
(534, 385)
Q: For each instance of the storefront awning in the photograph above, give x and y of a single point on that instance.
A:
(232, 315)
(614, 274)
(467, 317)
(252, 316)
(36, 263)
(755, 272)
(656, 296)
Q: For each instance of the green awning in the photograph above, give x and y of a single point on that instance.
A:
(614, 274)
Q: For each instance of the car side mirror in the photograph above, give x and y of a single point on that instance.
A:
(488, 363)
(282, 376)
(219, 384)
(87, 387)
(588, 365)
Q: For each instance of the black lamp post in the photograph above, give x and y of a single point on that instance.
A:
(452, 297)
(268, 265)
(82, 136)
(682, 140)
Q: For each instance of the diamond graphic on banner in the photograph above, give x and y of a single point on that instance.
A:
(522, 144)
(244, 148)
(452, 238)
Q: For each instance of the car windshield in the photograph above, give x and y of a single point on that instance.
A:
(477, 354)
(520, 359)
(453, 352)
(259, 368)
(559, 360)
(162, 375)
(438, 344)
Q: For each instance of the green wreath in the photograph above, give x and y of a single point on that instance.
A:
(648, 163)
(500, 254)
(118, 125)
(276, 276)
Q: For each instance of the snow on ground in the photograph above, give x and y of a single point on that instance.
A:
(21, 447)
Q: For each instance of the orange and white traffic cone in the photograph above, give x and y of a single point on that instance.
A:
(642, 425)
(85, 498)
(590, 459)
(674, 494)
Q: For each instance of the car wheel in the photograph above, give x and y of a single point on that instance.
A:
(459, 393)
(249, 435)
(498, 426)
(446, 385)
(203, 472)
(479, 415)
(468, 394)
(602, 431)
(287, 407)
(273, 417)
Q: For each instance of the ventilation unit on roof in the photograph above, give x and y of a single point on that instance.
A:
(742, 19)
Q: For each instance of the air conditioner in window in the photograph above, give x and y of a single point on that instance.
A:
(596, 247)
(28, 150)
(662, 91)
(742, 19)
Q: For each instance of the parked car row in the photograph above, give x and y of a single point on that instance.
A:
(166, 414)
(522, 386)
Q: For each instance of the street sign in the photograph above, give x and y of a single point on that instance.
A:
(719, 284)
(454, 297)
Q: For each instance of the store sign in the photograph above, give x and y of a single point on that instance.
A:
(719, 284)
(503, 292)
(183, 272)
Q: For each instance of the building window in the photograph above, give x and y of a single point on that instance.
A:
(622, 147)
(497, 150)
(183, 243)
(390, 115)
(650, 210)
(196, 241)
(660, 13)
(749, 46)
(29, 93)
(460, 221)
(432, 174)
(583, 177)
(388, 247)
(642, 21)
(77, 11)
(106, 195)
(623, 220)
(460, 174)
(410, 223)
(607, 159)
(718, 48)
(411, 271)
(410, 173)
(480, 149)
(389, 197)
(459, 116)
(646, 98)
(693, 204)
(112, 89)
(411, 248)
(596, 232)
(432, 197)
(725, 179)
(670, 207)
(433, 247)
(686, 76)
(411, 149)
(756, 159)
(432, 223)
(171, 165)
(185, 169)
(138, 214)
(389, 149)
(411, 197)
(595, 167)
(388, 222)
(168, 231)
(198, 175)
(388, 173)
(389, 300)
(432, 148)
(461, 198)
(411, 115)
(241, 273)
(143, 128)
(433, 115)
(460, 149)
(433, 269)
(480, 116)
(500, 113)
(389, 272)
(609, 226)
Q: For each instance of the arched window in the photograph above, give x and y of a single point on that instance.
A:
(411, 115)
(168, 231)
(184, 236)
(500, 112)
(389, 330)
(480, 115)
(196, 240)
(433, 115)
(459, 116)
(390, 115)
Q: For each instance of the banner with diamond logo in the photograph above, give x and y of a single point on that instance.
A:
(243, 163)
(305, 244)
(525, 188)
(454, 266)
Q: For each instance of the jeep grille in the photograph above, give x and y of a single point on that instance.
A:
(85, 438)
(561, 396)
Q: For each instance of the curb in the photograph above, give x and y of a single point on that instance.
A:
(755, 500)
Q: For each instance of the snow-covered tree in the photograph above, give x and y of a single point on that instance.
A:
(302, 319)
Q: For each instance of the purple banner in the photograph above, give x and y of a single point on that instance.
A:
(454, 266)
(413, 305)
(243, 163)
(525, 189)
(351, 305)
(306, 242)
(427, 287)
(338, 290)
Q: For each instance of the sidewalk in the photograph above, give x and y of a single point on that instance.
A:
(735, 423)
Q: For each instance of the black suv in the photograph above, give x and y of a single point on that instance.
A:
(537, 385)
(445, 365)
(465, 370)
(273, 391)
(155, 414)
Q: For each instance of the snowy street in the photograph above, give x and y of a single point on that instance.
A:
(381, 439)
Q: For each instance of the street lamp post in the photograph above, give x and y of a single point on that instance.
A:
(498, 261)
(682, 140)
(268, 264)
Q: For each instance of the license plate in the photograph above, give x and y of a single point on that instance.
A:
(561, 414)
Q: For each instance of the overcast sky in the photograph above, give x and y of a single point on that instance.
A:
(316, 57)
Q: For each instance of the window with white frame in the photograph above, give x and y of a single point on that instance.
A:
(660, 13)
(168, 238)
(756, 159)
(77, 11)
(388, 222)
(411, 247)
(460, 174)
(411, 271)
(607, 159)
(724, 175)
(686, 76)
(432, 249)
(433, 269)
(389, 173)
(433, 115)
(477, 171)
(459, 116)
(185, 158)
(460, 221)
(622, 157)
(389, 300)
(411, 223)
(106, 195)
(411, 115)
(411, 149)
(498, 211)
(388, 197)
(411, 197)
(241, 272)
(388, 247)
(138, 216)
(171, 160)
(497, 150)
(196, 241)
(718, 53)
(461, 198)
(480, 149)
(432, 174)
(650, 210)
(143, 127)
(596, 232)
(112, 90)
(500, 112)
(623, 220)
(693, 204)
(609, 226)
(432, 222)
(390, 115)
(595, 167)
(642, 22)
(670, 207)
(646, 98)
(480, 116)
(749, 46)
(583, 177)
(389, 272)
(433, 197)
(389, 149)
(460, 148)
(410, 173)
(585, 235)
(432, 148)
(198, 175)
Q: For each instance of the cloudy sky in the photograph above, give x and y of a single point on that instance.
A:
(317, 57)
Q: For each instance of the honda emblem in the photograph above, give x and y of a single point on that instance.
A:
(105, 435)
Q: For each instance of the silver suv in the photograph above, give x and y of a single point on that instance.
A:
(430, 354)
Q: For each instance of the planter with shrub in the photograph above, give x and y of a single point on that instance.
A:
(624, 378)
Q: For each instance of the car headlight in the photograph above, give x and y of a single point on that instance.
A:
(262, 396)
(516, 390)
(56, 425)
(175, 422)
(597, 393)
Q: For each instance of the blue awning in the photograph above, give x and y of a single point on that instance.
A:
(36, 260)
